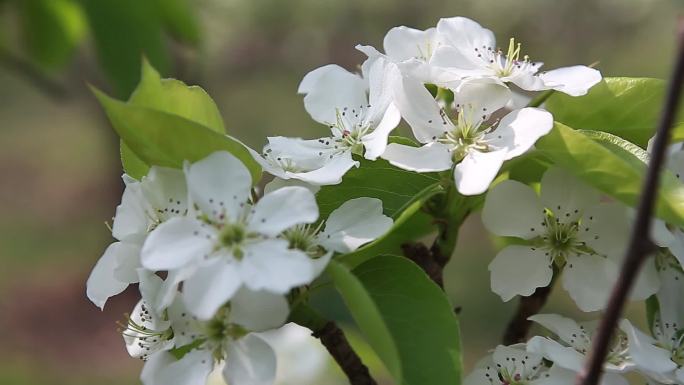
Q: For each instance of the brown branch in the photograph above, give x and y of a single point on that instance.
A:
(518, 327)
(423, 257)
(337, 345)
(639, 244)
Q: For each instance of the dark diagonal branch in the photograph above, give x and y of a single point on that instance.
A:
(518, 327)
(334, 340)
(639, 244)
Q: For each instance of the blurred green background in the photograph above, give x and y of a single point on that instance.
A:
(59, 158)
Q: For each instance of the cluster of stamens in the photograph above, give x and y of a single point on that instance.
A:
(506, 64)
(147, 339)
(303, 237)
(468, 132)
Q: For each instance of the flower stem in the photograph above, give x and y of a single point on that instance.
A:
(639, 244)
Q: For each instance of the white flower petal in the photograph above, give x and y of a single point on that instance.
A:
(565, 328)
(477, 170)
(382, 75)
(557, 375)
(250, 361)
(192, 369)
(671, 295)
(574, 80)
(564, 356)
(465, 33)
(482, 96)
(102, 282)
(320, 263)
(459, 63)
(258, 310)
(420, 110)
(169, 289)
(520, 270)
(166, 191)
(643, 351)
(269, 265)
(281, 209)
(331, 88)
(565, 195)
(527, 80)
(403, 43)
(176, 243)
(605, 228)
(519, 130)
(647, 283)
(589, 280)
(512, 209)
(219, 184)
(212, 285)
(131, 220)
(330, 173)
(431, 157)
(376, 142)
(353, 224)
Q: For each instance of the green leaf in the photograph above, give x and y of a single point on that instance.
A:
(613, 170)
(616, 144)
(134, 166)
(162, 139)
(397, 188)
(175, 97)
(626, 107)
(51, 30)
(124, 30)
(405, 317)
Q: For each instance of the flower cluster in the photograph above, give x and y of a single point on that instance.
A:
(216, 262)
(469, 126)
(228, 259)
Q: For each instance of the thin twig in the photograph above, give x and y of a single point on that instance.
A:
(423, 257)
(640, 244)
(518, 327)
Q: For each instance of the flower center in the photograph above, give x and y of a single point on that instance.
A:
(507, 64)
(143, 334)
(232, 236)
(350, 128)
(467, 134)
(219, 332)
(303, 237)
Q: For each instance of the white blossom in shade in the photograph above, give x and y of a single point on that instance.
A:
(227, 339)
(475, 146)
(357, 109)
(513, 365)
(574, 342)
(564, 228)
(144, 205)
(226, 242)
(302, 360)
(661, 357)
(469, 51)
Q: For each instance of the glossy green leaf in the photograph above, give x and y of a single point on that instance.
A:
(612, 170)
(159, 138)
(405, 317)
(51, 30)
(397, 188)
(132, 165)
(626, 107)
(175, 97)
(123, 31)
(612, 141)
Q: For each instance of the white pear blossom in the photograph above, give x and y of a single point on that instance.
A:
(573, 344)
(225, 339)
(565, 229)
(226, 242)
(661, 357)
(359, 112)
(356, 222)
(468, 50)
(475, 146)
(144, 205)
(513, 365)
